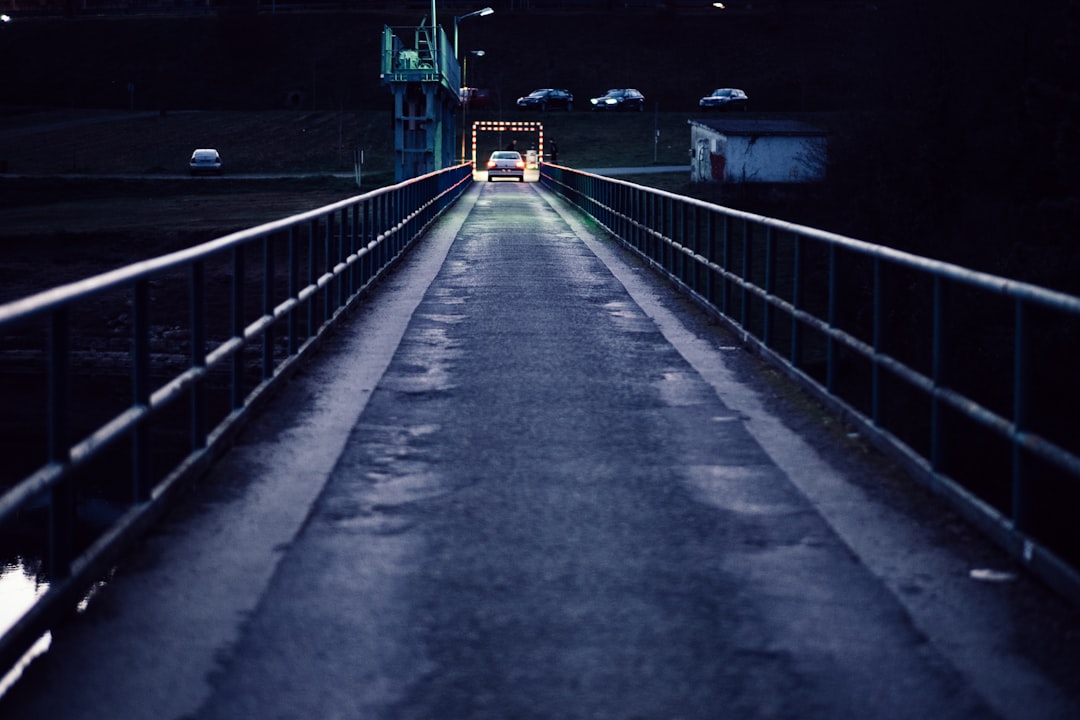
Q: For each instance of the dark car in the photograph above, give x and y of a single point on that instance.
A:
(474, 98)
(725, 99)
(619, 99)
(547, 98)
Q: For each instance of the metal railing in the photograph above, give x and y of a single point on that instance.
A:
(965, 377)
(151, 369)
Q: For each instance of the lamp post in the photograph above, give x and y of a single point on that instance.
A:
(457, 19)
(468, 99)
(465, 66)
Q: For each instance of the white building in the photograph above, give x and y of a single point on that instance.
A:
(740, 150)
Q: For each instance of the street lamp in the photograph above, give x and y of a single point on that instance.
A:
(465, 65)
(467, 100)
(477, 13)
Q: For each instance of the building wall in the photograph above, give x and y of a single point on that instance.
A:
(716, 157)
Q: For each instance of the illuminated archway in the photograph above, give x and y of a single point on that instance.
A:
(527, 126)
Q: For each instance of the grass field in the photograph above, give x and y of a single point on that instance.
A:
(118, 183)
(293, 142)
(80, 171)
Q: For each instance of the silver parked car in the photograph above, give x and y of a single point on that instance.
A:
(725, 99)
(506, 163)
(205, 160)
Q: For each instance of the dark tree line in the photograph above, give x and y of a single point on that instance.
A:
(972, 154)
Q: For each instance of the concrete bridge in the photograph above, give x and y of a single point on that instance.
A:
(526, 479)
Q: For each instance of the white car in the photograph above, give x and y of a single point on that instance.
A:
(205, 160)
(506, 163)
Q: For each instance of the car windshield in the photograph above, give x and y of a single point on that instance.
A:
(506, 155)
(538, 93)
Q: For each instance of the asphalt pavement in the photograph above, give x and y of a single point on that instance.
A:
(527, 480)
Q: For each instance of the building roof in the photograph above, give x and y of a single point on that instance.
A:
(754, 126)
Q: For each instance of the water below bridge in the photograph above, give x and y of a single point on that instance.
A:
(528, 480)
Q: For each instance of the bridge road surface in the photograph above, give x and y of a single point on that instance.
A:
(526, 480)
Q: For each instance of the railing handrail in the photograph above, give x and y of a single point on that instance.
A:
(692, 242)
(49, 299)
(1005, 286)
(349, 245)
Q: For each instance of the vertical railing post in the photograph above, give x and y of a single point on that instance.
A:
(830, 343)
(353, 248)
(707, 251)
(937, 354)
(689, 242)
(626, 213)
(770, 289)
(344, 248)
(795, 353)
(878, 340)
(340, 228)
(366, 235)
(725, 264)
(328, 268)
(638, 217)
(679, 235)
(397, 201)
(1021, 492)
(744, 312)
(62, 496)
(198, 353)
(400, 201)
(236, 395)
(268, 308)
(313, 228)
(378, 233)
(140, 389)
(669, 235)
(294, 291)
(650, 240)
(666, 231)
(617, 217)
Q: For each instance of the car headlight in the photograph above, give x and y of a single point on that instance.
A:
(611, 101)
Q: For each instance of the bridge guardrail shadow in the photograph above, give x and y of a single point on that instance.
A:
(99, 459)
(967, 378)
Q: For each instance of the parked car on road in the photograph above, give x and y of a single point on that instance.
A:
(619, 99)
(474, 98)
(725, 99)
(547, 98)
(506, 163)
(205, 160)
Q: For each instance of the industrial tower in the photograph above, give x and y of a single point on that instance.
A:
(425, 80)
